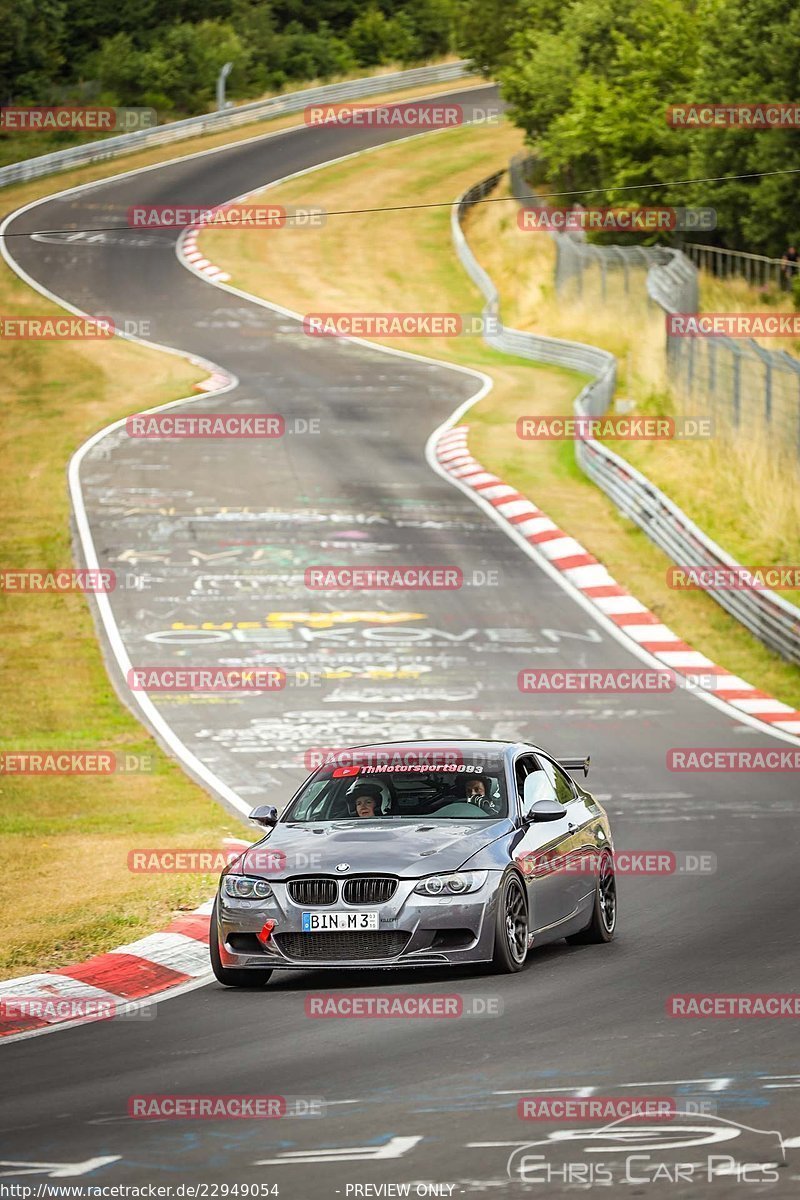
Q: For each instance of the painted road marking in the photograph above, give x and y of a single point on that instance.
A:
(57, 1170)
(394, 1148)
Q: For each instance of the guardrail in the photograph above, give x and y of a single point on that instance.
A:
(735, 381)
(756, 269)
(602, 366)
(231, 118)
(773, 620)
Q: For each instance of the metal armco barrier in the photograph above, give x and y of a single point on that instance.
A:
(736, 381)
(258, 110)
(773, 620)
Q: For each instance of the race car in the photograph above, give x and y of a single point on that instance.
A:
(419, 855)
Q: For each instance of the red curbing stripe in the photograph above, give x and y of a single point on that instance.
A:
(546, 535)
(776, 716)
(508, 499)
(193, 925)
(747, 693)
(20, 1024)
(670, 648)
(525, 516)
(645, 618)
(575, 560)
(600, 590)
(125, 975)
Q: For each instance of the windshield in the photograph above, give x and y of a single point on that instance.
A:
(470, 791)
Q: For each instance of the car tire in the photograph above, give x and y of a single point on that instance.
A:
(231, 976)
(603, 922)
(511, 928)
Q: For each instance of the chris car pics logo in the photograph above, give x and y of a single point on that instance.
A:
(689, 1148)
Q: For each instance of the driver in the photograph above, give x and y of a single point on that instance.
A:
(475, 789)
(481, 790)
(367, 799)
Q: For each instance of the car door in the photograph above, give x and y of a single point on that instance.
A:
(577, 847)
(549, 893)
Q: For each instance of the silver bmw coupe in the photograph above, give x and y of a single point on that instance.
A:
(419, 854)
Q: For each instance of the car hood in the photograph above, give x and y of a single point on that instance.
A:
(407, 848)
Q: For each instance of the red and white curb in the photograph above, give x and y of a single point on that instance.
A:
(215, 382)
(200, 263)
(596, 585)
(112, 985)
(189, 252)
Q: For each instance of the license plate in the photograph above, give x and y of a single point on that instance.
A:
(317, 922)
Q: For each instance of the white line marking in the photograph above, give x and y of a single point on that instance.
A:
(58, 1170)
(394, 1148)
(578, 1091)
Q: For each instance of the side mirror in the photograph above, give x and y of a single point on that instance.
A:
(547, 810)
(536, 787)
(265, 814)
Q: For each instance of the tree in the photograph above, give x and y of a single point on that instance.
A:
(592, 96)
(375, 38)
(31, 49)
(749, 52)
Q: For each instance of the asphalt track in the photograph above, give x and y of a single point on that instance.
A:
(220, 533)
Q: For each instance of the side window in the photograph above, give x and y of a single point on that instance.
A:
(523, 767)
(562, 784)
(527, 765)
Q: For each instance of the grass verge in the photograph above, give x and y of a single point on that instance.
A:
(737, 488)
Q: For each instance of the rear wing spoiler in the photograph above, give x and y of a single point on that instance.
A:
(576, 764)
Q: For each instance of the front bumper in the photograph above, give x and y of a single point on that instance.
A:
(413, 931)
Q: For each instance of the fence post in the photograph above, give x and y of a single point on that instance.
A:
(711, 352)
(737, 386)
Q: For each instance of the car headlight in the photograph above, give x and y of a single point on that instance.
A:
(457, 884)
(241, 887)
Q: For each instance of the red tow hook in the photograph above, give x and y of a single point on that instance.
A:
(266, 932)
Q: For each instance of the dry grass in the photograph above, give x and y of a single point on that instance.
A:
(361, 263)
(67, 838)
(736, 488)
